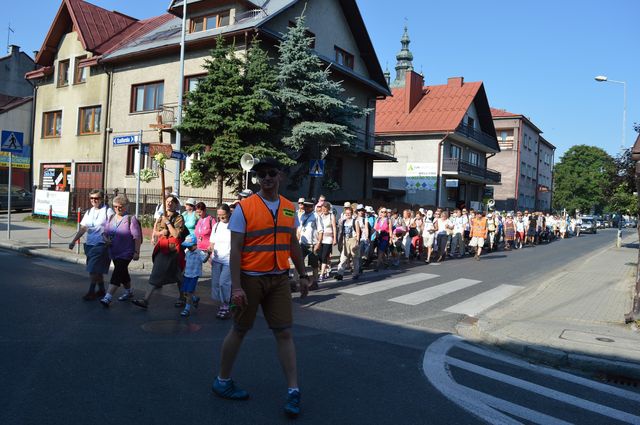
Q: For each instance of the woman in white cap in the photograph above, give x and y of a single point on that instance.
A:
(190, 216)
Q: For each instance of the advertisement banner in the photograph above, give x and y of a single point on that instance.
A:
(59, 202)
(421, 176)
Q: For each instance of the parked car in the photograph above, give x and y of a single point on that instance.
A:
(630, 224)
(588, 225)
(600, 224)
(21, 199)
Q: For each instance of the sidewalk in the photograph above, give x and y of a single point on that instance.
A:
(574, 318)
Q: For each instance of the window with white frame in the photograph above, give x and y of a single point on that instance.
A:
(455, 152)
(474, 158)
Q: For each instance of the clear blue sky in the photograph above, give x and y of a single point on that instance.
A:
(536, 58)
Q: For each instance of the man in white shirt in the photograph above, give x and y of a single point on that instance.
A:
(309, 235)
(458, 224)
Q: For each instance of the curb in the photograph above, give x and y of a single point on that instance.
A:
(550, 356)
(140, 265)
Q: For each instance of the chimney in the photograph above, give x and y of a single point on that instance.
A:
(413, 90)
(455, 81)
(13, 49)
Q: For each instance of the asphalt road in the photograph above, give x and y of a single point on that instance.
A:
(66, 361)
(495, 278)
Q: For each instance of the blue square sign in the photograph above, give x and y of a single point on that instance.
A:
(12, 141)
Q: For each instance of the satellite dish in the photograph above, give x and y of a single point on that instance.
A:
(247, 161)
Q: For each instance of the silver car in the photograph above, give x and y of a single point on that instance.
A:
(588, 225)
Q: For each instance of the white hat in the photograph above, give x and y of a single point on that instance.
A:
(191, 202)
(369, 209)
(347, 204)
(246, 193)
(300, 200)
(489, 215)
(359, 207)
(421, 210)
(430, 214)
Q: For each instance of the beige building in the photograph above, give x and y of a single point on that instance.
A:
(525, 161)
(71, 97)
(145, 86)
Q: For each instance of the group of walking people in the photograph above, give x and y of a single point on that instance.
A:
(386, 237)
(182, 242)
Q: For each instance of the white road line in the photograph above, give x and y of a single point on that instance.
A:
(439, 375)
(598, 386)
(545, 392)
(475, 305)
(434, 292)
(383, 285)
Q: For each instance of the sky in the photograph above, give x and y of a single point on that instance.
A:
(537, 58)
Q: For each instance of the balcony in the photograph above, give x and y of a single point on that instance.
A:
(250, 15)
(477, 135)
(459, 166)
(386, 147)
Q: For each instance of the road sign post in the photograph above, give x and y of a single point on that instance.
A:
(11, 142)
(138, 176)
(9, 197)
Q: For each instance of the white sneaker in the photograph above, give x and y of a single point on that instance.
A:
(126, 296)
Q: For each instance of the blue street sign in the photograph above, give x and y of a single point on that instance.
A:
(316, 168)
(12, 141)
(181, 156)
(125, 140)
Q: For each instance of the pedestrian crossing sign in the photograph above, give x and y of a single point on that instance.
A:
(316, 168)
(12, 141)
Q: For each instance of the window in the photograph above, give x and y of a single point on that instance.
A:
(209, 22)
(191, 82)
(133, 161)
(89, 120)
(308, 34)
(147, 97)
(343, 57)
(473, 158)
(471, 122)
(455, 152)
(79, 74)
(63, 73)
(503, 136)
(52, 124)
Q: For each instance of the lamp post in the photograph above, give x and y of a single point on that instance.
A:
(604, 79)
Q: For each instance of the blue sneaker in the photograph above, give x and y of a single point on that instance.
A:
(292, 408)
(228, 390)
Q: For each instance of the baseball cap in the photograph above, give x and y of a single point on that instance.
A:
(246, 193)
(191, 202)
(190, 240)
(359, 207)
(369, 209)
(347, 204)
(267, 163)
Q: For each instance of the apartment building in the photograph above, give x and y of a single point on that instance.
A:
(525, 162)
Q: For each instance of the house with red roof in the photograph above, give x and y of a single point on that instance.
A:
(525, 161)
(72, 94)
(441, 136)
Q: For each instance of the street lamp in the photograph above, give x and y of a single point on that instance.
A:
(604, 79)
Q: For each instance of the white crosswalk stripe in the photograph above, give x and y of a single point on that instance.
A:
(475, 305)
(383, 285)
(434, 292)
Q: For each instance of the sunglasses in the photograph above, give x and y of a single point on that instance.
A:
(262, 174)
(95, 199)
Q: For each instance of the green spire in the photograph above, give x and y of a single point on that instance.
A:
(405, 60)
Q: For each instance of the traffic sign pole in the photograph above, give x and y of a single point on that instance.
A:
(138, 177)
(9, 197)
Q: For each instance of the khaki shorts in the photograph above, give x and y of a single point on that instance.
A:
(273, 293)
(477, 242)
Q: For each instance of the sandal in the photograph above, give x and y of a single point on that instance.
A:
(141, 303)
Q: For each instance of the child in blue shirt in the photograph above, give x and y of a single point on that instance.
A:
(194, 258)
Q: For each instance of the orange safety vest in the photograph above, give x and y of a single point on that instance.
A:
(479, 227)
(267, 239)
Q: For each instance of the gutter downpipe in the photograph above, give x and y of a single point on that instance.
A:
(33, 135)
(515, 207)
(105, 150)
(440, 159)
(176, 181)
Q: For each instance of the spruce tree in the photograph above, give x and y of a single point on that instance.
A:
(315, 115)
(226, 115)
